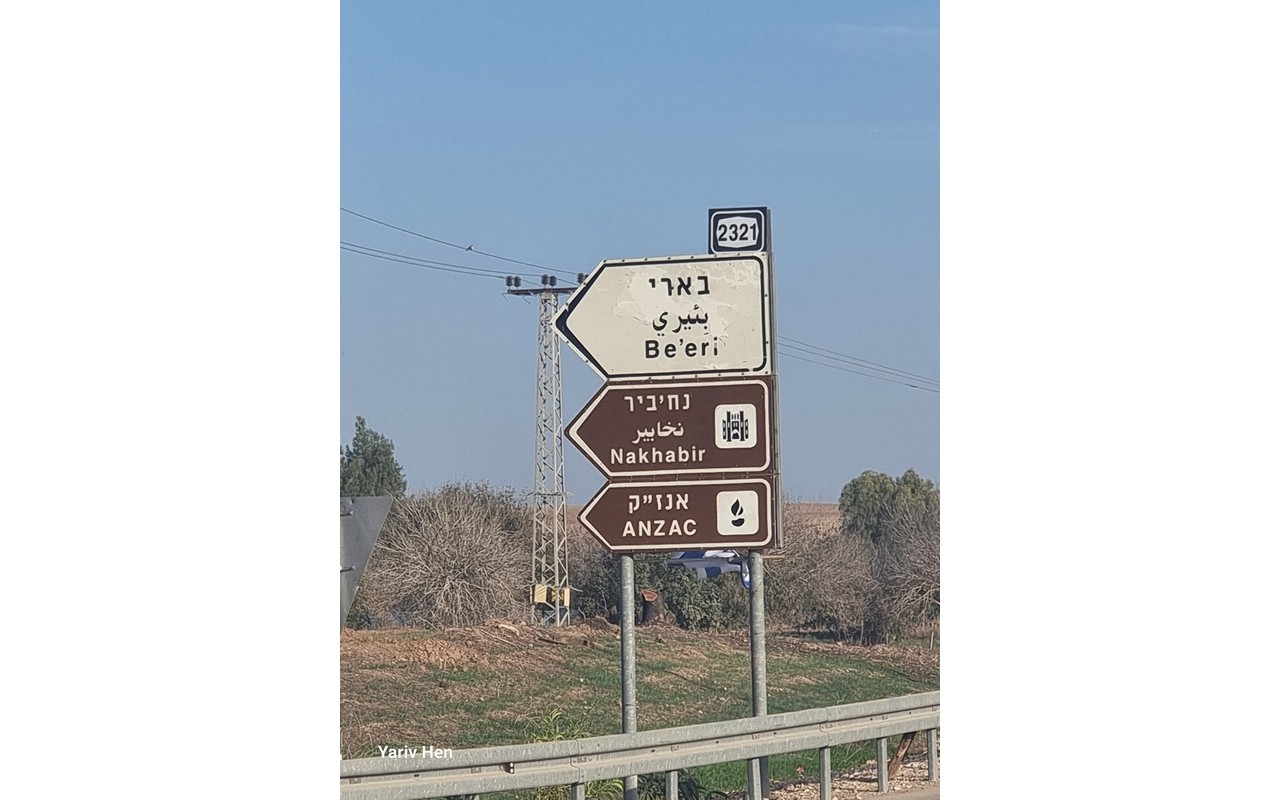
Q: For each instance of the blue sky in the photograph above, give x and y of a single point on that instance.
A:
(569, 133)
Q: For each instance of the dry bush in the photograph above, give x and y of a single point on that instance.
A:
(824, 581)
(450, 557)
(907, 569)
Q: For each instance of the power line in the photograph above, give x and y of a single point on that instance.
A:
(467, 248)
(370, 251)
(417, 262)
(823, 352)
(787, 343)
(856, 372)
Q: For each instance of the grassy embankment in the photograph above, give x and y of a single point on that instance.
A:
(498, 684)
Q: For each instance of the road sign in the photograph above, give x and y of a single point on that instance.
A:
(682, 515)
(677, 428)
(362, 519)
(684, 315)
(738, 230)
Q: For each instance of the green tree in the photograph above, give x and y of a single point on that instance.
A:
(866, 503)
(369, 466)
(899, 518)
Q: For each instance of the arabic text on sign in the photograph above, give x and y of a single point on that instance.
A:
(661, 432)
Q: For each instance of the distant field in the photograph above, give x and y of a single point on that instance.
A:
(499, 683)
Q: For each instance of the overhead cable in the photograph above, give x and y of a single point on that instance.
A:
(466, 248)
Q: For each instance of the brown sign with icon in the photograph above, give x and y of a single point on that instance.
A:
(682, 515)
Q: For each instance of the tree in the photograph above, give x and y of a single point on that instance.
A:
(865, 505)
(869, 501)
(899, 519)
(369, 466)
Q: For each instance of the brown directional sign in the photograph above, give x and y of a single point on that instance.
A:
(683, 428)
(682, 515)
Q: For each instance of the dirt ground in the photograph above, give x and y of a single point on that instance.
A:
(860, 784)
(505, 645)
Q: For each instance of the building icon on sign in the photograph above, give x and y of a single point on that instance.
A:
(735, 427)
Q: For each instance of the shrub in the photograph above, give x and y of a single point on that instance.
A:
(696, 604)
(450, 557)
(824, 582)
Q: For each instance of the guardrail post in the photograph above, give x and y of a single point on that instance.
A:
(824, 773)
(579, 791)
(882, 764)
(933, 753)
(673, 785)
(627, 629)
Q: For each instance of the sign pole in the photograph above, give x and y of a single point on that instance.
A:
(649, 326)
(739, 231)
(759, 680)
(627, 629)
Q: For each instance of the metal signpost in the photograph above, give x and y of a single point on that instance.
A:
(734, 231)
(685, 427)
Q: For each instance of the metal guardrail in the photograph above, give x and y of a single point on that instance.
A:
(578, 761)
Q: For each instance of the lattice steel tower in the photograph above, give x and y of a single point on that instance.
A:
(549, 582)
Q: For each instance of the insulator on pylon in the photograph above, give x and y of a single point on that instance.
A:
(582, 276)
(517, 280)
(553, 280)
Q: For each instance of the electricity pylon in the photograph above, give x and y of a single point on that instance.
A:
(549, 583)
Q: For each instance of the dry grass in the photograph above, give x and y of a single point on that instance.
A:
(487, 684)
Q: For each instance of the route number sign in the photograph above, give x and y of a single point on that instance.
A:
(738, 230)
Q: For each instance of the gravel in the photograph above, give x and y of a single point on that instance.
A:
(858, 784)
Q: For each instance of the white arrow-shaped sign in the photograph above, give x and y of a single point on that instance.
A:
(683, 315)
